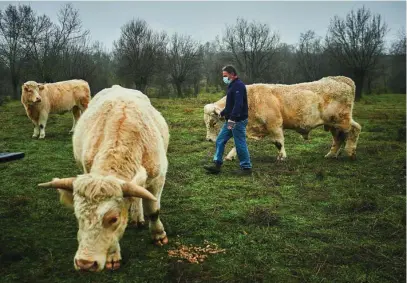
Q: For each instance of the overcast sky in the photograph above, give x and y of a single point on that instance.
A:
(205, 20)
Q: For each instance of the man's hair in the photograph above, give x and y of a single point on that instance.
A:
(230, 69)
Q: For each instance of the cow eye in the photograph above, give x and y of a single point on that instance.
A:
(110, 220)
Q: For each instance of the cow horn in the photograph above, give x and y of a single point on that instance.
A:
(132, 190)
(65, 183)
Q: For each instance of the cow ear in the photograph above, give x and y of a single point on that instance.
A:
(41, 87)
(25, 88)
(66, 198)
(211, 109)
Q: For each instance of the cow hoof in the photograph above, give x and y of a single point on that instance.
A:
(229, 159)
(331, 155)
(353, 157)
(34, 137)
(137, 224)
(281, 158)
(161, 242)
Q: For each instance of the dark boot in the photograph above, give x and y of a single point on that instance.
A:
(214, 168)
(244, 172)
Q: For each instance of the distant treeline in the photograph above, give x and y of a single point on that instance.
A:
(32, 47)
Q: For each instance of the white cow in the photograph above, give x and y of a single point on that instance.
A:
(120, 143)
(40, 100)
(300, 107)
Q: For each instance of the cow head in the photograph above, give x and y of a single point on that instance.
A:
(100, 207)
(31, 92)
(212, 121)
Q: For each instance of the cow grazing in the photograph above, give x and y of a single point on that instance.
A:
(120, 143)
(40, 100)
(301, 107)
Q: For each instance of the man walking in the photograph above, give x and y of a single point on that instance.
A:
(236, 115)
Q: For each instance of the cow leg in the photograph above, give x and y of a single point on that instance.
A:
(152, 211)
(306, 137)
(76, 115)
(36, 130)
(277, 137)
(136, 212)
(42, 123)
(231, 155)
(338, 137)
(352, 139)
(136, 204)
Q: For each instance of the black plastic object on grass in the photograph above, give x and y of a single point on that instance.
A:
(10, 156)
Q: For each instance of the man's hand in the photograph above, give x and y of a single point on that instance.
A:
(231, 124)
(221, 115)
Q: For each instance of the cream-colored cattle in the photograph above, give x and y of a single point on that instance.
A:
(120, 143)
(40, 100)
(301, 107)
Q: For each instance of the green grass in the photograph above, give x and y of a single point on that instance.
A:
(305, 220)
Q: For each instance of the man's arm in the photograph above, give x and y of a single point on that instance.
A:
(237, 108)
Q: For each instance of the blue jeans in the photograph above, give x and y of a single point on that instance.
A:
(239, 135)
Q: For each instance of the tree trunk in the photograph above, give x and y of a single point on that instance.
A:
(178, 85)
(14, 84)
(141, 84)
(369, 84)
(359, 79)
(196, 89)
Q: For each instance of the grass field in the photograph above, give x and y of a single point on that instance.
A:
(304, 220)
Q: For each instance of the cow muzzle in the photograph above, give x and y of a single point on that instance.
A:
(37, 99)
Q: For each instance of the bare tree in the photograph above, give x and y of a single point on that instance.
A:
(252, 46)
(49, 43)
(213, 61)
(183, 59)
(138, 52)
(13, 25)
(77, 60)
(309, 55)
(197, 72)
(209, 53)
(398, 47)
(398, 63)
(37, 37)
(285, 67)
(357, 42)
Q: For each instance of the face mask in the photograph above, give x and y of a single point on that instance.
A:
(226, 80)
